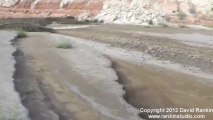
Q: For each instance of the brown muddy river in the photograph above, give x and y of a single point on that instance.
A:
(110, 75)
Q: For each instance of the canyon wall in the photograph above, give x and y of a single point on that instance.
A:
(115, 11)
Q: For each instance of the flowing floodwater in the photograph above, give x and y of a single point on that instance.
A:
(94, 80)
(140, 71)
(103, 92)
(135, 57)
(94, 92)
(148, 82)
(10, 103)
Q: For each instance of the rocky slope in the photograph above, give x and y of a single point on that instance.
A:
(117, 11)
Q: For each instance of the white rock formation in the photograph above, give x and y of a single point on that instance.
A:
(142, 11)
(121, 11)
(8, 3)
(126, 11)
(34, 4)
(203, 6)
(64, 3)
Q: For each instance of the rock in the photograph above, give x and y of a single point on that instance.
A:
(115, 11)
(8, 3)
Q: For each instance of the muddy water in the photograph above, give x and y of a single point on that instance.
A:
(69, 87)
(152, 87)
(79, 83)
(159, 84)
(47, 96)
(10, 102)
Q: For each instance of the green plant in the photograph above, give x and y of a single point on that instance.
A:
(181, 15)
(192, 10)
(64, 45)
(161, 24)
(14, 114)
(29, 92)
(86, 20)
(21, 34)
(173, 11)
(182, 26)
(150, 22)
(95, 20)
(100, 21)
